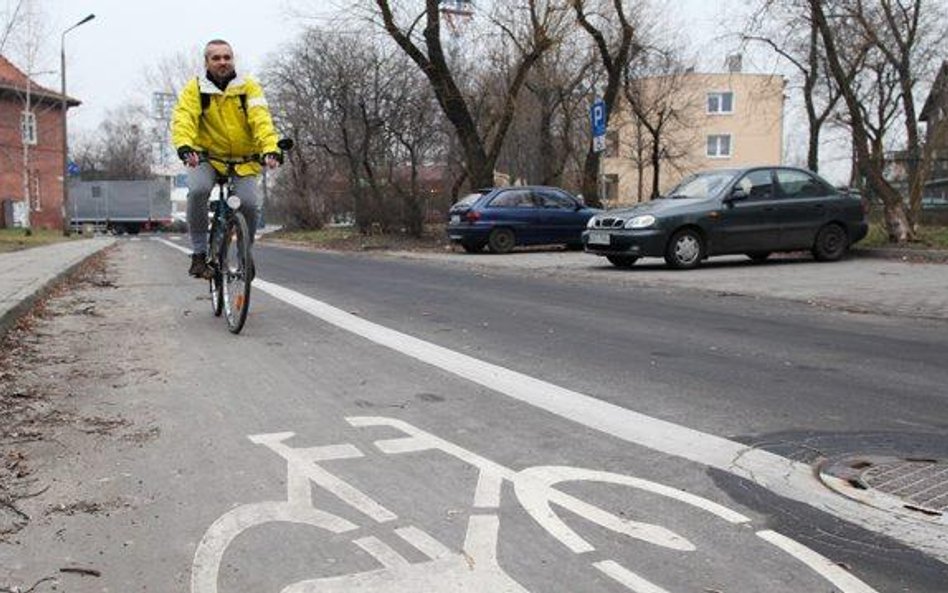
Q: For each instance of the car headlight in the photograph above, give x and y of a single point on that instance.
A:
(640, 222)
(591, 222)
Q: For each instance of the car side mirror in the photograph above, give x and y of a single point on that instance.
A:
(285, 144)
(737, 194)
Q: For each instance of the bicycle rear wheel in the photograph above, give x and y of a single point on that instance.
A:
(235, 272)
(217, 279)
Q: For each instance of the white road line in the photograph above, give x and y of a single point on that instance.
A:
(778, 474)
(381, 551)
(846, 582)
(624, 576)
(423, 542)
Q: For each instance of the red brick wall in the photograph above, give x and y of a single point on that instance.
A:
(45, 160)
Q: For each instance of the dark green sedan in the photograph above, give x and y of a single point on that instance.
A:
(754, 211)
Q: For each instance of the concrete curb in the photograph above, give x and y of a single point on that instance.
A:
(10, 317)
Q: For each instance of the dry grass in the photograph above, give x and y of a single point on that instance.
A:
(350, 239)
(929, 237)
(17, 239)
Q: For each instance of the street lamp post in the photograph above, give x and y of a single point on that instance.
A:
(65, 107)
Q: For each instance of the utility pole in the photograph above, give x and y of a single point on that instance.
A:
(65, 106)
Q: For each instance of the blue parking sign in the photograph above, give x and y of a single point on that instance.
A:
(599, 117)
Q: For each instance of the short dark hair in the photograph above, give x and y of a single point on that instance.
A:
(214, 42)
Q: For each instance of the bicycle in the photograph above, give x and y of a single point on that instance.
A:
(228, 256)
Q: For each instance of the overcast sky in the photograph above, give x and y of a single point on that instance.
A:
(107, 58)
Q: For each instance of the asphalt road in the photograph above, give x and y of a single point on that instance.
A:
(434, 407)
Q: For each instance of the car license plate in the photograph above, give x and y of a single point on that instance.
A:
(455, 218)
(598, 238)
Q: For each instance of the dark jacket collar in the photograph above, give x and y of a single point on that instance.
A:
(221, 83)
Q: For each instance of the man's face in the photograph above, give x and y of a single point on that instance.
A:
(219, 59)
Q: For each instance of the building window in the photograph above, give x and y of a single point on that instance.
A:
(28, 128)
(612, 187)
(721, 102)
(719, 146)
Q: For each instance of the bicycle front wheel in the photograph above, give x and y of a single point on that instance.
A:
(235, 272)
(216, 280)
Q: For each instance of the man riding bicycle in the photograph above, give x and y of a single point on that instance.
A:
(226, 116)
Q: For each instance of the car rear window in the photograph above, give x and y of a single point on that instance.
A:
(469, 199)
(519, 198)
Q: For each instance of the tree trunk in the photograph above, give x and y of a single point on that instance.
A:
(614, 65)
(656, 168)
(870, 171)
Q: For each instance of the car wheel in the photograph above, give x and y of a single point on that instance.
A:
(685, 250)
(622, 261)
(501, 241)
(831, 243)
(471, 247)
(758, 256)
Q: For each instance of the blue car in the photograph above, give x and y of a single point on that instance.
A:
(502, 218)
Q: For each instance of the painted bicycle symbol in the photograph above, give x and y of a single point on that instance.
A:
(475, 568)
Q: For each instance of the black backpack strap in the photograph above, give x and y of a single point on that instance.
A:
(206, 100)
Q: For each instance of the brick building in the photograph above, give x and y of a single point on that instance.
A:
(42, 132)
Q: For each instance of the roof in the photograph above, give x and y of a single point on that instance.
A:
(14, 81)
(938, 94)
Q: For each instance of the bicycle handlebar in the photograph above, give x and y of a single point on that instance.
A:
(205, 156)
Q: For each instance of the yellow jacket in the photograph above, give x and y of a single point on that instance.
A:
(224, 129)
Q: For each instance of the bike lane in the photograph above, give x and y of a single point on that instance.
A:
(626, 532)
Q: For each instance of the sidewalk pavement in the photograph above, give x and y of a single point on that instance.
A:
(26, 275)
(858, 283)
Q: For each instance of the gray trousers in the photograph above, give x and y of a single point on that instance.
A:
(200, 183)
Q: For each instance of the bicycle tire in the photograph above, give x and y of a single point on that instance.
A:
(216, 281)
(235, 272)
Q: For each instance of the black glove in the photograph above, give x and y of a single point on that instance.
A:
(184, 152)
(278, 156)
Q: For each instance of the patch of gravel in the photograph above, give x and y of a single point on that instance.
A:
(48, 368)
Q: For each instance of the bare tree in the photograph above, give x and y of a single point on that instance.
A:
(550, 130)
(653, 86)
(616, 48)
(121, 148)
(532, 28)
(364, 108)
(870, 169)
(909, 34)
(172, 71)
(789, 30)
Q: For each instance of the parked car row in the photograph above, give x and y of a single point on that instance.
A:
(754, 211)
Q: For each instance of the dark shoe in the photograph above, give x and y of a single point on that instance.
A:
(199, 267)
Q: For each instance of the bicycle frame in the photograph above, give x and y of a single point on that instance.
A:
(231, 273)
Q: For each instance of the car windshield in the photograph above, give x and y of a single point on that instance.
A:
(701, 185)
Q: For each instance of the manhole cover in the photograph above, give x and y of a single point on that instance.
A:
(918, 485)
